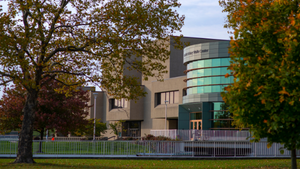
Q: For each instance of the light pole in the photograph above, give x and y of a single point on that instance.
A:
(95, 98)
(166, 114)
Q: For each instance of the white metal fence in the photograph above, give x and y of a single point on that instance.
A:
(206, 135)
(147, 148)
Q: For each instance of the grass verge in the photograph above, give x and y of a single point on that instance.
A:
(143, 164)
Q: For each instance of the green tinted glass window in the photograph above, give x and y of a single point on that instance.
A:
(207, 81)
(215, 80)
(194, 90)
(200, 64)
(210, 80)
(206, 89)
(222, 115)
(200, 72)
(199, 89)
(194, 73)
(196, 116)
(225, 62)
(195, 82)
(224, 80)
(195, 65)
(216, 71)
(189, 74)
(207, 72)
(215, 88)
(224, 70)
(200, 81)
(208, 63)
(217, 105)
(216, 62)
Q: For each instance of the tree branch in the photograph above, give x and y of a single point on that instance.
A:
(55, 19)
(74, 84)
(64, 72)
(69, 48)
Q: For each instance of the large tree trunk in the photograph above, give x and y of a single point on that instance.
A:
(294, 158)
(25, 138)
(41, 141)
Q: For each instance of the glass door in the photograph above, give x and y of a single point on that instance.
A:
(196, 124)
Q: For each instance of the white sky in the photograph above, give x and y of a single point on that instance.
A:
(203, 19)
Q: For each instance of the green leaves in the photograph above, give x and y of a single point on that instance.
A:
(266, 96)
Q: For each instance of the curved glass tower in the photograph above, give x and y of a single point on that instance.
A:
(207, 64)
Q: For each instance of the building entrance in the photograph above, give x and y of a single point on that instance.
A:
(196, 124)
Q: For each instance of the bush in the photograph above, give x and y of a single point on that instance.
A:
(158, 138)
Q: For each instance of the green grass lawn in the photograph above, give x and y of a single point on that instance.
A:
(88, 147)
(132, 164)
(79, 147)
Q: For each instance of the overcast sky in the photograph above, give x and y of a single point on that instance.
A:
(203, 18)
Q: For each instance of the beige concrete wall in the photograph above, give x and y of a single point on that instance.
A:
(133, 111)
(172, 84)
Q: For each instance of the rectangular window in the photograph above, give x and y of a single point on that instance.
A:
(171, 100)
(117, 103)
(168, 97)
(171, 96)
(163, 98)
(131, 129)
(176, 96)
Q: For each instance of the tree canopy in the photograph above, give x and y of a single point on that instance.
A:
(55, 111)
(90, 39)
(265, 64)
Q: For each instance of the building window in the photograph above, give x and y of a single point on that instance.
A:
(184, 92)
(221, 118)
(131, 129)
(171, 96)
(117, 103)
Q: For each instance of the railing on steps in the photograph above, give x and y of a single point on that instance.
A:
(204, 135)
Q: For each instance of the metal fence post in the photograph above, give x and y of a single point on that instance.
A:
(112, 147)
(235, 149)
(255, 149)
(214, 134)
(193, 148)
(214, 149)
(275, 149)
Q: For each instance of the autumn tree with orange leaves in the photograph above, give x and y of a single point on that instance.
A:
(90, 39)
(265, 54)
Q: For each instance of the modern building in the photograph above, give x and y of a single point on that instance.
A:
(188, 98)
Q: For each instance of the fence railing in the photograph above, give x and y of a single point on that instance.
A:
(148, 148)
(207, 135)
(9, 137)
(16, 138)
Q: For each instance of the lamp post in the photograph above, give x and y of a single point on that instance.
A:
(166, 114)
(95, 98)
